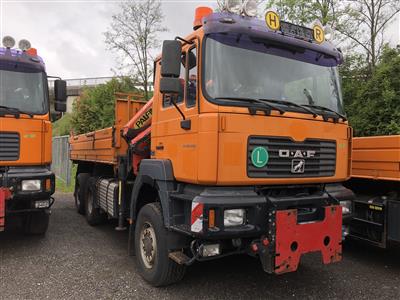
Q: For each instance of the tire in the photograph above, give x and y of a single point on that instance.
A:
(37, 223)
(158, 269)
(79, 193)
(94, 215)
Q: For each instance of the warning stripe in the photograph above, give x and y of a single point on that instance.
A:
(197, 211)
(197, 217)
(4, 195)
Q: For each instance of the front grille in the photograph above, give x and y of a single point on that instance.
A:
(321, 164)
(9, 146)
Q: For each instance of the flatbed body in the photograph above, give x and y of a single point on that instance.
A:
(376, 158)
(376, 183)
(105, 145)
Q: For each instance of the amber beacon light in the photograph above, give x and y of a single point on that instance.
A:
(200, 13)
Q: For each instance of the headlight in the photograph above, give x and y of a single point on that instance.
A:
(346, 207)
(30, 185)
(234, 217)
(250, 8)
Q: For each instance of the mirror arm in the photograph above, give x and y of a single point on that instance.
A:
(179, 110)
(178, 38)
(55, 77)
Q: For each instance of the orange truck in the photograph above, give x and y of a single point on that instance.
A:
(241, 150)
(26, 182)
(376, 183)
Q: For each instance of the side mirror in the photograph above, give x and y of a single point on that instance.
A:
(192, 60)
(170, 67)
(60, 95)
(170, 85)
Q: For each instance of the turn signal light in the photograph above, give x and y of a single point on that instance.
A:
(211, 218)
(48, 184)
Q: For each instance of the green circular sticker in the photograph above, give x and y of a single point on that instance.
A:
(259, 157)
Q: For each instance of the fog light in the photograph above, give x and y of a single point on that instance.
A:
(30, 185)
(250, 8)
(210, 250)
(42, 204)
(346, 207)
(234, 217)
(233, 6)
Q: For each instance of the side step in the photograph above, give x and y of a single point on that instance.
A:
(179, 257)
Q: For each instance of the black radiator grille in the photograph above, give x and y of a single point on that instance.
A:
(9, 146)
(321, 164)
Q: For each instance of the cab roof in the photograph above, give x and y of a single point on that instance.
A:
(224, 22)
(10, 58)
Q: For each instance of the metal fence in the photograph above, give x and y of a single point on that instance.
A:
(61, 165)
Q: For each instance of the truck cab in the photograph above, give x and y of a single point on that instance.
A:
(242, 149)
(25, 135)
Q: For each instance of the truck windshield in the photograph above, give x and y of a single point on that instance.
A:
(23, 91)
(239, 66)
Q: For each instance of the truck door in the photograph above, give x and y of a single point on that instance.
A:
(170, 140)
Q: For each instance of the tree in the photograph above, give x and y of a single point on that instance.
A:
(303, 12)
(364, 24)
(373, 102)
(95, 108)
(133, 34)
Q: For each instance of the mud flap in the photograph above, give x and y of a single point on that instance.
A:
(293, 239)
(5, 194)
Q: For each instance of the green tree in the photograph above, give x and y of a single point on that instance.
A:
(363, 23)
(373, 102)
(133, 34)
(95, 108)
(303, 12)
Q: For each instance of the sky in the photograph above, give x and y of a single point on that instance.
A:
(69, 33)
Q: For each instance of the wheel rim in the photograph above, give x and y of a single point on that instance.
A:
(148, 245)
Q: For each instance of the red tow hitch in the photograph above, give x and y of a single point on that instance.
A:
(5, 194)
(293, 239)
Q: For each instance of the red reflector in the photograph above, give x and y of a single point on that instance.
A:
(265, 242)
(254, 247)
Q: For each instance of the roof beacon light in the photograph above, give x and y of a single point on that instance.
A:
(250, 8)
(201, 12)
(8, 41)
(24, 45)
(234, 6)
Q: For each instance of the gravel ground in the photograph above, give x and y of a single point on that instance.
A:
(77, 261)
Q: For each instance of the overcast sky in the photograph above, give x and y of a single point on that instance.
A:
(69, 34)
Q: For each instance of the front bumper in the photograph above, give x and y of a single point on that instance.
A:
(278, 229)
(22, 201)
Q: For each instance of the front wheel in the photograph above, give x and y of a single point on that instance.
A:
(151, 249)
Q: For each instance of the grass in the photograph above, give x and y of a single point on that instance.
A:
(61, 185)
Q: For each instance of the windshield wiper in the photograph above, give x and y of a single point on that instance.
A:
(264, 103)
(15, 111)
(323, 108)
(289, 103)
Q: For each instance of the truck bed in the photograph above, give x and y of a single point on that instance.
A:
(376, 158)
(105, 145)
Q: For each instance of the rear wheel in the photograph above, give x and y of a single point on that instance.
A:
(36, 223)
(94, 215)
(151, 249)
(79, 193)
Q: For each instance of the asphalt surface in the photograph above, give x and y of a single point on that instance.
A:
(77, 261)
